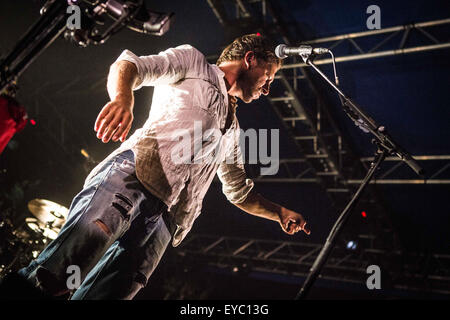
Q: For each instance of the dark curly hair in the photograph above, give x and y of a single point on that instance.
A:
(260, 45)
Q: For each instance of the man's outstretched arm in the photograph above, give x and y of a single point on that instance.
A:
(115, 119)
(131, 72)
(290, 221)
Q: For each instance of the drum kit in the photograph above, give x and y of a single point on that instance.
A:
(20, 244)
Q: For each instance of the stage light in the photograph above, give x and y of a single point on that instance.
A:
(364, 214)
(258, 34)
(84, 153)
(351, 245)
(33, 122)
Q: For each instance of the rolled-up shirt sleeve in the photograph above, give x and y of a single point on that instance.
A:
(167, 67)
(235, 184)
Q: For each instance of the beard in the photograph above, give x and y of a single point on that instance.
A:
(247, 84)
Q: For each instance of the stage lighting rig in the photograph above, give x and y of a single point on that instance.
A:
(93, 14)
(130, 14)
(54, 21)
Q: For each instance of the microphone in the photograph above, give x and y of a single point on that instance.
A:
(282, 51)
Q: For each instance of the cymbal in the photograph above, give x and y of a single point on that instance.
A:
(47, 211)
(46, 230)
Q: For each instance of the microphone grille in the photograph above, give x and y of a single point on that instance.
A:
(279, 51)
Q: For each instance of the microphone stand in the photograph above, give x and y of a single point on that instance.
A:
(385, 147)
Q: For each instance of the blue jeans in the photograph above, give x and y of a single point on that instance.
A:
(116, 233)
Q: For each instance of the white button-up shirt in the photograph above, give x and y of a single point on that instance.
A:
(184, 141)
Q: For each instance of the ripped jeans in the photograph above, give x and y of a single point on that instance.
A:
(116, 233)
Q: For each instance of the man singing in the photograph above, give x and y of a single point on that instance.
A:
(145, 195)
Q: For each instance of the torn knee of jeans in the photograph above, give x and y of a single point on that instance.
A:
(123, 205)
(103, 226)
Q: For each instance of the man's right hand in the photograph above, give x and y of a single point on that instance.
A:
(115, 119)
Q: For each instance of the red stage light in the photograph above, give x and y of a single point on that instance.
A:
(364, 214)
(33, 122)
(258, 34)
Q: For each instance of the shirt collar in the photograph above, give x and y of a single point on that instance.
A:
(219, 71)
(223, 86)
(221, 76)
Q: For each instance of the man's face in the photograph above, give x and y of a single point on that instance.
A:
(256, 80)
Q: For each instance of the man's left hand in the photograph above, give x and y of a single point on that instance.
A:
(292, 222)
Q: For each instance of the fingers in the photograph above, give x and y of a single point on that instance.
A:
(113, 126)
(125, 133)
(104, 125)
(113, 122)
(306, 229)
(124, 125)
(101, 116)
(292, 227)
(286, 227)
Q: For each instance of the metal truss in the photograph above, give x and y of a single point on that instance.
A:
(326, 157)
(304, 123)
(394, 171)
(394, 42)
(427, 273)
